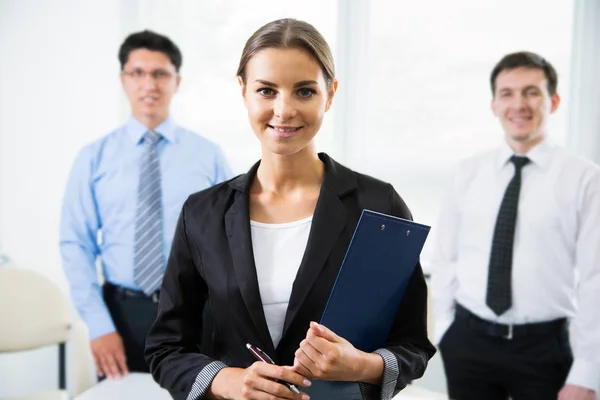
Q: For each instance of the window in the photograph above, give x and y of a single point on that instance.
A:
(414, 95)
(427, 96)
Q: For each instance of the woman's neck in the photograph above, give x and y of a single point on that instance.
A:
(284, 174)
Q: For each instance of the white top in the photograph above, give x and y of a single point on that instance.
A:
(557, 237)
(278, 251)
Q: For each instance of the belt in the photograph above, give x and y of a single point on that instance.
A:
(126, 292)
(508, 331)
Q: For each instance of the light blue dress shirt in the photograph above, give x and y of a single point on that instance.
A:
(98, 214)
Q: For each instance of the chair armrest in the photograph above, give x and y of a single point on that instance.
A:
(81, 360)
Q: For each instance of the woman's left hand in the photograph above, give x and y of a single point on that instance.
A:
(326, 356)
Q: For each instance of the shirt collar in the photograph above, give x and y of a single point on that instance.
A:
(538, 155)
(136, 130)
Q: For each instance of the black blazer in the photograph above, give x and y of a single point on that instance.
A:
(212, 262)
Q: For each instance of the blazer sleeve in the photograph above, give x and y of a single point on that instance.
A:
(408, 349)
(173, 342)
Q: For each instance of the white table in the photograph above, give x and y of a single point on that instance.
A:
(141, 386)
(133, 386)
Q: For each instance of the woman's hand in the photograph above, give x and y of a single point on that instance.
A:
(257, 382)
(326, 356)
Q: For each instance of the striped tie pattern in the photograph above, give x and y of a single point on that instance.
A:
(499, 289)
(148, 254)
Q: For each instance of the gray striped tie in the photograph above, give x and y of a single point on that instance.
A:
(148, 256)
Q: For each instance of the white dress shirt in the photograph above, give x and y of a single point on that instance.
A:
(556, 259)
(278, 251)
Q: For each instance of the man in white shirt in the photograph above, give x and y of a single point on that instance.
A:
(517, 256)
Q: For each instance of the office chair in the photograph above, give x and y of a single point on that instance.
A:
(35, 313)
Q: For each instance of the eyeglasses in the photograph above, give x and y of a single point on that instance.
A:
(157, 74)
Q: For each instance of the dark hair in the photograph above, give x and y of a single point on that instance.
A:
(150, 41)
(525, 59)
(289, 33)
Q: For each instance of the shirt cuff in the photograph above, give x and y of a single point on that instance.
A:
(99, 323)
(204, 379)
(391, 372)
(585, 373)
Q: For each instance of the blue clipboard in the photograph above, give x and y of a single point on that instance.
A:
(370, 285)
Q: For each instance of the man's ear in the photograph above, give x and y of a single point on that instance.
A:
(493, 107)
(555, 102)
(177, 83)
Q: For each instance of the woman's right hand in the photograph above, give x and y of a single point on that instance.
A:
(257, 382)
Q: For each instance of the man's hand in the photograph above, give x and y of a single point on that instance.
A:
(109, 355)
(574, 392)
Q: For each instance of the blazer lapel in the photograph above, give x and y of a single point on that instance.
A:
(237, 227)
(328, 223)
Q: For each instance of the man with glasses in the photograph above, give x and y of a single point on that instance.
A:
(122, 201)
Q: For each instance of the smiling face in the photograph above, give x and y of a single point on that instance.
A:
(523, 105)
(149, 80)
(287, 96)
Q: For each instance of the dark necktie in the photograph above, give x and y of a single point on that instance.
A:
(499, 289)
(148, 252)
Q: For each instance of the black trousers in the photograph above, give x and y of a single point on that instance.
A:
(133, 314)
(481, 366)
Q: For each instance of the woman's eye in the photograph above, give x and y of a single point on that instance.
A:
(305, 92)
(266, 92)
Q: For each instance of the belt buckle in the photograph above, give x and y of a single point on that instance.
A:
(155, 296)
(509, 335)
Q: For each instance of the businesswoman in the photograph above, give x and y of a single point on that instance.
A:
(263, 250)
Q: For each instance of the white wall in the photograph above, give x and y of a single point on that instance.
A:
(60, 90)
